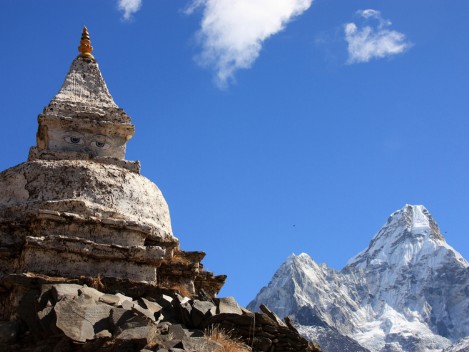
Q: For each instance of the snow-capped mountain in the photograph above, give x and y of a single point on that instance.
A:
(408, 291)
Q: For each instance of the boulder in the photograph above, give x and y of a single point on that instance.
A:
(177, 332)
(142, 334)
(153, 307)
(92, 292)
(60, 291)
(110, 299)
(120, 316)
(8, 331)
(201, 310)
(272, 315)
(81, 318)
(228, 305)
(200, 344)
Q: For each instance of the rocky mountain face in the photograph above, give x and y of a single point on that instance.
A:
(408, 291)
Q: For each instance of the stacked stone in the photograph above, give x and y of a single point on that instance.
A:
(76, 317)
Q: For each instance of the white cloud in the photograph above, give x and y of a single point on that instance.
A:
(369, 42)
(232, 31)
(129, 7)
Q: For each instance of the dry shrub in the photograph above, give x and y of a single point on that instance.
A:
(179, 258)
(230, 344)
(179, 287)
(97, 283)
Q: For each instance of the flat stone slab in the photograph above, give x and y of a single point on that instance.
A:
(110, 299)
(153, 307)
(59, 291)
(272, 315)
(201, 344)
(201, 310)
(80, 318)
(92, 292)
(140, 334)
(228, 305)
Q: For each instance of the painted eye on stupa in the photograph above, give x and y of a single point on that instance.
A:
(74, 138)
(100, 142)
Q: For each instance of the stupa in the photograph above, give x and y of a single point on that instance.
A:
(88, 259)
(78, 208)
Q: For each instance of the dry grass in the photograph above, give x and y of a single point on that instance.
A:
(179, 258)
(179, 287)
(224, 338)
(97, 283)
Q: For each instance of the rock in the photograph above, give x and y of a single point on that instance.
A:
(169, 342)
(142, 334)
(183, 308)
(153, 307)
(120, 316)
(177, 332)
(200, 344)
(164, 300)
(262, 343)
(103, 334)
(70, 320)
(60, 291)
(47, 319)
(195, 333)
(272, 315)
(122, 298)
(110, 299)
(80, 318)
(144, 312)
(92, 292)
(228, 305)
(201, 310)
(27, 312)
(8, 331)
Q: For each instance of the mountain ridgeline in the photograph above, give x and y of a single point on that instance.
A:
(408, 291)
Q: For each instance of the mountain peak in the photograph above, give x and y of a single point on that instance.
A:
(409, 233)
(417, 220)
(406, 292)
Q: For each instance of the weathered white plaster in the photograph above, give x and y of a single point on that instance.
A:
(84, 84)
(89, 189)
(94, 142)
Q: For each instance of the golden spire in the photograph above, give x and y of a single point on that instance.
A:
(85, 47)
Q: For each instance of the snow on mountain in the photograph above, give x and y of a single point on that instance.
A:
(461, 346)
(408, 291)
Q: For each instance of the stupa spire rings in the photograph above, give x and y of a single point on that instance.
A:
(85, 47)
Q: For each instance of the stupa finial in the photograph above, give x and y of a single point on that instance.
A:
(85, 47)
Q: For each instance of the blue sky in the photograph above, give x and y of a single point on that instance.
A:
(271, 127)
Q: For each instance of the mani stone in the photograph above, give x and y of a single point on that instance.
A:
(80, 318)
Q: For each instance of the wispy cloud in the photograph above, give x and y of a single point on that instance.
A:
(370, 42)
(129, 7)
(233, 31)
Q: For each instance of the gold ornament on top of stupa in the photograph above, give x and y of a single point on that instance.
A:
(85, 47)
